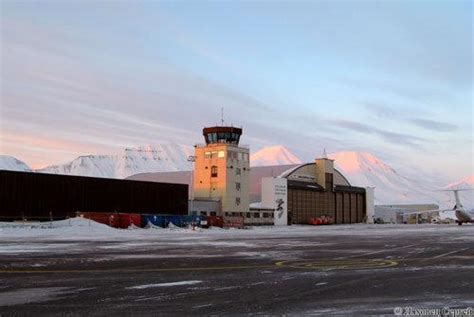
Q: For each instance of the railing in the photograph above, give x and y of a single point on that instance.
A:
(244, 146)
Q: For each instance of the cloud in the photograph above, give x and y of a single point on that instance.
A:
(75, 106)
(380, 111)
(392, 137)
(435, 125)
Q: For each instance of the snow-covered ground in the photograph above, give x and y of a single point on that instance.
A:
(80, 267)
(84, 229)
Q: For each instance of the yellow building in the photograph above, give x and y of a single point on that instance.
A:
(222, 169)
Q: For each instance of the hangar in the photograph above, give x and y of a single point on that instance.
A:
(314, 190)
(37, 196)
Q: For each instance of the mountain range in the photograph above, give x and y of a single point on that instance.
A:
(158, 158)
(361, 169)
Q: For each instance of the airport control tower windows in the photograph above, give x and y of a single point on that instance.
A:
(228, 135)
(212, 137)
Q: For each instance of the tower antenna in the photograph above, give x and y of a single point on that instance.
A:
(325, 154)
(222, 116)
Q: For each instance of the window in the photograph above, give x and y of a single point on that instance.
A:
(246, 157)
(203, 213)
(237, 186)
(207, 154)
(213, 213)
(212, 137)
(214, 171)
(238, 171)
(213, 154)
(239, 156)
(329, 181)
(265, 215)
(221, 154)
(248, 215)
(256, 215)
(237, 201)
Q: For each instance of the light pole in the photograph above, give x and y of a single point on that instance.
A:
(192, 159)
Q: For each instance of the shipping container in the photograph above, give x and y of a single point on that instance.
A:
(100, 217)
(127, 220)
(233, 222)
(156, 220)
(176, 220)
(214, 221)
(193, 220)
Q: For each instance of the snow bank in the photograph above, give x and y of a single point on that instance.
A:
(80, 228)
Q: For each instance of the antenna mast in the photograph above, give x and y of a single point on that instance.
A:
(222, 116)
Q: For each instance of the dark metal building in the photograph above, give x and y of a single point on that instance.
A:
(41, 196)
(318, 189)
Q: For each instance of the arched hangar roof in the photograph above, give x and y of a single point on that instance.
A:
(307, 172)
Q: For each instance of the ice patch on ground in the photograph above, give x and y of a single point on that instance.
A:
(32, 295)
(165, 284)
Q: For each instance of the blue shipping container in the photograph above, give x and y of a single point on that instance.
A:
(176, 220)
(157, 220)
(193, 219)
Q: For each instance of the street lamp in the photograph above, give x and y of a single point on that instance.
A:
(192, 159)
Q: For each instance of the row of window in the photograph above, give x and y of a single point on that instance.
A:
(210, 213)
(250, 214)
(239, 156)
(214, 169)
(214, 154)
(224, 137)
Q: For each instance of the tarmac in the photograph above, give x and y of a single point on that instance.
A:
(344, 270)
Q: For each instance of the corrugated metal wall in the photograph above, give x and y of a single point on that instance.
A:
(35, 195)
(345, 205)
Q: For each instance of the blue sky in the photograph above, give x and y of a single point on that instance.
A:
(393, 78)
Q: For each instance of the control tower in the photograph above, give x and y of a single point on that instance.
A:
(221, 170)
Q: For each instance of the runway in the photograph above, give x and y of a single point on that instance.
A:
(354, 270)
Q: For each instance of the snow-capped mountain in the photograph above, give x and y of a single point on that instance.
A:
(361, 169)
(364, 169)
(273, 155)
(464, 183)
(158, 158)
(466, 196)
(12, 164)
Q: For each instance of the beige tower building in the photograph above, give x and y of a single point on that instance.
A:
(221, 170)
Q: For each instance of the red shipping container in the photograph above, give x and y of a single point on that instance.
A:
(215, 221)
(234, 222)
(100, 217)
(126, 220)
